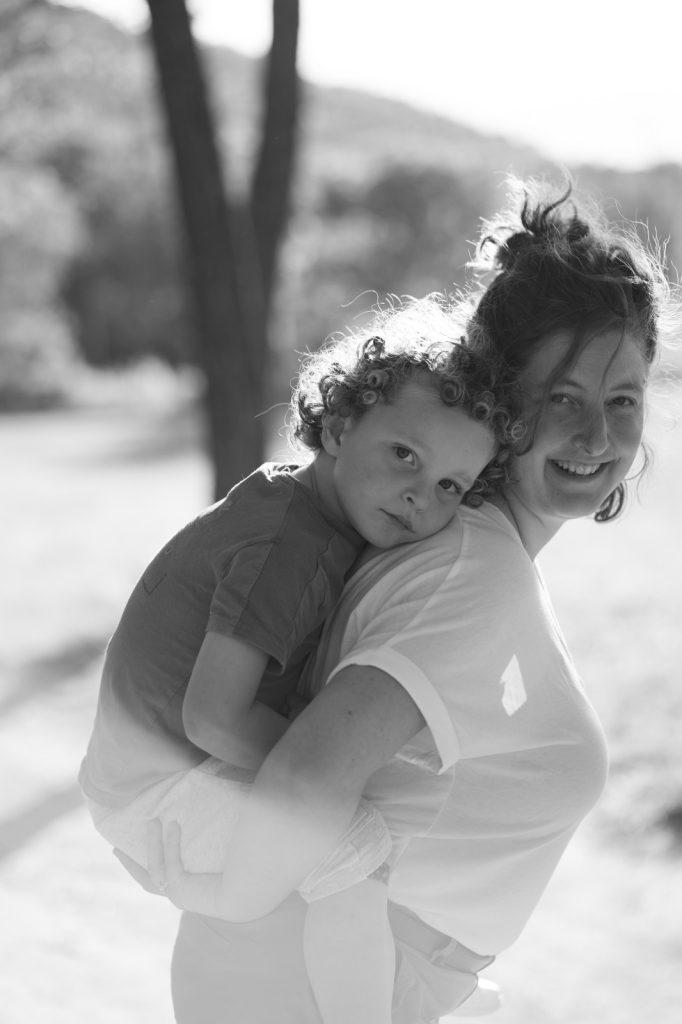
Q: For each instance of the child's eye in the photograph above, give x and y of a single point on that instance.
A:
(451, 487)
(405, 454)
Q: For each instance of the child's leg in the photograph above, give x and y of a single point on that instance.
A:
(350, 956)
(348, 945)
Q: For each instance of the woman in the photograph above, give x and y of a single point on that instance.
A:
(450, 698)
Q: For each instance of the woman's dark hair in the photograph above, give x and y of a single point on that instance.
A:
(559, 267)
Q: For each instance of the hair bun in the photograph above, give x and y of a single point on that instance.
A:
(521, 243)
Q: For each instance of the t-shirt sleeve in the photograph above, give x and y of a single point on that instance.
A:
(416, 680)
(406, 614)
(270, 595)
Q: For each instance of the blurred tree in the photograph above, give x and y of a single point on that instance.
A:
(18, 45)
(404, 231)
(271, 187)
(232, 256)
(125, 285)
(375, 208)
(40, 229)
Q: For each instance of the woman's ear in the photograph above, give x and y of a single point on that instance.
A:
(333, 427)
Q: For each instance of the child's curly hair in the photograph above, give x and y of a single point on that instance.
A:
(412, 339)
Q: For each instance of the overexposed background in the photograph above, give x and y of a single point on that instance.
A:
(586, 82)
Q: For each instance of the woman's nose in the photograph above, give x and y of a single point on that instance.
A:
(592, 435)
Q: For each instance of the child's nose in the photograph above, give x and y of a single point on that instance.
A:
(416, 498)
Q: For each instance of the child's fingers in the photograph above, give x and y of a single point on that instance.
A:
(156, 862)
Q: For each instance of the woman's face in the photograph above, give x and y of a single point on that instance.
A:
(589, 425)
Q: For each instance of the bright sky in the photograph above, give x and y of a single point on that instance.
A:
(589, 80)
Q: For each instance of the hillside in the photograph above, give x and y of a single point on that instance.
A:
(385, 198)
(75, 75)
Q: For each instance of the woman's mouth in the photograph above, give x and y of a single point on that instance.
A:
(582, 470)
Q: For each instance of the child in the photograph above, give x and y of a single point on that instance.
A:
(403, 427)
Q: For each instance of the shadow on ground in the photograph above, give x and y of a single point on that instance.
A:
(45, 674)
(20, 829)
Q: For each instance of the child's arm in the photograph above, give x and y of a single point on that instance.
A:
(220, 713)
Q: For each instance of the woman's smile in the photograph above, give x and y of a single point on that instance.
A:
(588, 425)
(579, 471)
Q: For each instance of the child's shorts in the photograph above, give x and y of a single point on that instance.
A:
(207, 801)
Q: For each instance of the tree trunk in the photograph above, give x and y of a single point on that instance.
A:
(230, 319)
(271, 188)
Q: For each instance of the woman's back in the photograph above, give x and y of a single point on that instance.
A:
(512, 756)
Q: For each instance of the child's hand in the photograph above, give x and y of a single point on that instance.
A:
(198, 893)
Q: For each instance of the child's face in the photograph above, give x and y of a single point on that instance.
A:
(402, 468)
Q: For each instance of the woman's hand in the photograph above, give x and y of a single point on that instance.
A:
(137, 872)
(198, 893)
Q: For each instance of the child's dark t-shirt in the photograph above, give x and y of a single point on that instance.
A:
(266, 564)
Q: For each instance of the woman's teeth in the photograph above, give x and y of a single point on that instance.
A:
(578, 467)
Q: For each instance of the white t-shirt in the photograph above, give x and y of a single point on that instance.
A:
(483, 802)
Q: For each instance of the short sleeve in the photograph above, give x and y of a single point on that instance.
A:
(272, 596)
(415, 680)
(396, 615)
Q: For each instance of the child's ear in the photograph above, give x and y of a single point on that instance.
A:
(333, 427)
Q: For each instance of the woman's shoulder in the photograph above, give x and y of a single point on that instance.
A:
(443, 548)
(468, 553)
(488, 518)
(490, 538)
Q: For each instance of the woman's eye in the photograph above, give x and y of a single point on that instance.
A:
(561, 398)
(624, 402)
(451, 487)
(404, 454)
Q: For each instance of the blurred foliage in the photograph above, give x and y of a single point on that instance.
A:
(386, 200)
(40, 232)
(124, 287)
(403, 231)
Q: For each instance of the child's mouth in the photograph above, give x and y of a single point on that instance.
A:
(401, 520)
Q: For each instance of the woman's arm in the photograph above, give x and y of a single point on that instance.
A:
(220, 713)
(303, 799)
